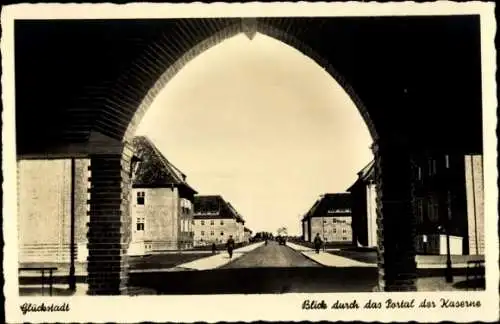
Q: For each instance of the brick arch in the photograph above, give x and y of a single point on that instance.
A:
(134, 92)
(301, 46)
(172, 70)
(161, 74)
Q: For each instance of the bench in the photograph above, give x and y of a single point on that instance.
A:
(475, 266)
(50, 270)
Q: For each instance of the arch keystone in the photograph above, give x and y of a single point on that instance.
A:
(249, 27)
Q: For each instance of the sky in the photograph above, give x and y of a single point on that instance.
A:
(262, 125)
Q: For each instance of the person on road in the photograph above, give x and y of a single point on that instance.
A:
(317, 242)
(230, 246)
(214, 248)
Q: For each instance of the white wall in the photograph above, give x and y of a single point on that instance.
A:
(455, 245)
(161, 217)
(371, 204)
(44, 200)
(475, 202)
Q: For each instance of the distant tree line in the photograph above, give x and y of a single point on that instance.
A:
(260, 236)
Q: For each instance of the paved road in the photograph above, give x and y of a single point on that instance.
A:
(271, 255)
(267, 269)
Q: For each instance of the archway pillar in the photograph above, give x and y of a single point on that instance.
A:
(109, 223)
(395, 216)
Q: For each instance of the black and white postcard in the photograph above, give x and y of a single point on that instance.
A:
(255, 161)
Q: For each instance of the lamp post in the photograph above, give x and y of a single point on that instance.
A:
(449, 269)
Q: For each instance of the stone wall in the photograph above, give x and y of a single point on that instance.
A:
(44, 217)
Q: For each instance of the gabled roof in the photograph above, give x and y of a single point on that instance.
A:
(331, 204)
(311, 210)
(154, 170)
(368, 171)
(365, 175)
(238, 217)
(214, 206)
(246, 229)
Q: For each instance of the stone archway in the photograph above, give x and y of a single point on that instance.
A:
(130, 98)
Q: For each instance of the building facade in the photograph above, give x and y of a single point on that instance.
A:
(247, 235)
(161, 204)
(47, 190)
(449, 200)
(331, 218)
(214, 220)
(364, 208)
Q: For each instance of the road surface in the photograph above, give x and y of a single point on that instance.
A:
(268, 269)
(271, 255)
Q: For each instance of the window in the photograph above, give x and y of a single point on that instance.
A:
(140, 224)
(419, 173)
(344, 231)
(192, 222)
(202, 222)
(344, 238)
(212, 233)
(222, 222)
(324, 221)
(202, 233)
(212, 222)
(221, 233)
(140, 198)
(433, 210)
(334, 230)
(447, 161)
(420, 210)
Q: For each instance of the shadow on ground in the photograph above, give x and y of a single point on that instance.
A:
(258, 280)
(160, 261)
(38, 291)
(478, 283)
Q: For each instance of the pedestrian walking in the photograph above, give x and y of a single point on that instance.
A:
(214, 248)
(230, 246)
(324, 244)
(317, 242)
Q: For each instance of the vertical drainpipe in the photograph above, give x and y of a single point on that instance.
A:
(72, 278)
(474, 203)
(175, 229)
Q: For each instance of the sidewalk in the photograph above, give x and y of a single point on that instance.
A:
(328, 259)
(207, 263)
(424, 262)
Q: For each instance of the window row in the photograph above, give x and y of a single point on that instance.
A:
(211, 233)
(336, 221)
(427, 209)
(432, 166)
(185, 204)
(212, 222)
(344, 231)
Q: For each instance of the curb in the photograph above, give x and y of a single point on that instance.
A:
(306, 256)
